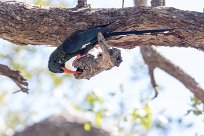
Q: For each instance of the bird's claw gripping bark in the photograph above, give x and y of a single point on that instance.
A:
(67, 71)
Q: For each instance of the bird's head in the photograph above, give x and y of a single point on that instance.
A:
(57, 61)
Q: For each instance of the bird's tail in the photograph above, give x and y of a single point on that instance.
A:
(137, 32)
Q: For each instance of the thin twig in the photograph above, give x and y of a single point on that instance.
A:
(16, 77)
(82, 4)
(123, 3)
(153, 59)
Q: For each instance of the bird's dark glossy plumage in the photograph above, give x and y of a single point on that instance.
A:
(57, 60)
(80, 42)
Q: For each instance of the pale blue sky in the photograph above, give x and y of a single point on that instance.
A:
(196, 5)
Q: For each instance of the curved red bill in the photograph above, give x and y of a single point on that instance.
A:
(67, 71)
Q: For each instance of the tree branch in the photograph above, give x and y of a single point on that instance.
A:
(82, 4)
(154, 59)
(15, 76)
(156, 3)
(25, 24)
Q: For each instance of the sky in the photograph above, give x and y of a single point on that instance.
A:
(192, 5)
(173, 96)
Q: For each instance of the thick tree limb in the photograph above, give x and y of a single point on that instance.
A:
(15, 76)
(25, 24)
(154, 59)
(61, 126)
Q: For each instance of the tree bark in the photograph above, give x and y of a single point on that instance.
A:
(156, 3)
(154, 60)
(16, 76)
(27, 24)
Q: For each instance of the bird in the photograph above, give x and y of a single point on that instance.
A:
(80, 42)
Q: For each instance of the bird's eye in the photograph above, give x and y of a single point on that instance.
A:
(60, 61)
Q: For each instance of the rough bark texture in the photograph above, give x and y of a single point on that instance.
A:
(105, 60)
(61, 126)
(15, 76)
(26, 24)
(156, 3)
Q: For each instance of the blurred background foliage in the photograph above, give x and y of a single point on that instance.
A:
(54, 94)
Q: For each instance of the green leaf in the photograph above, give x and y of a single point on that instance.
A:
(87, 126)
(99, 100)
(99, 118)
(146, 122)
(134, 115)
(147, 109)
(91, 100)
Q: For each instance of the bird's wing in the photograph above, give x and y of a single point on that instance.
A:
(80, 39)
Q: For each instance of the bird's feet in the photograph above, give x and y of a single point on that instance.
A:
(77, 57)
(67, 71)
(97, 46)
